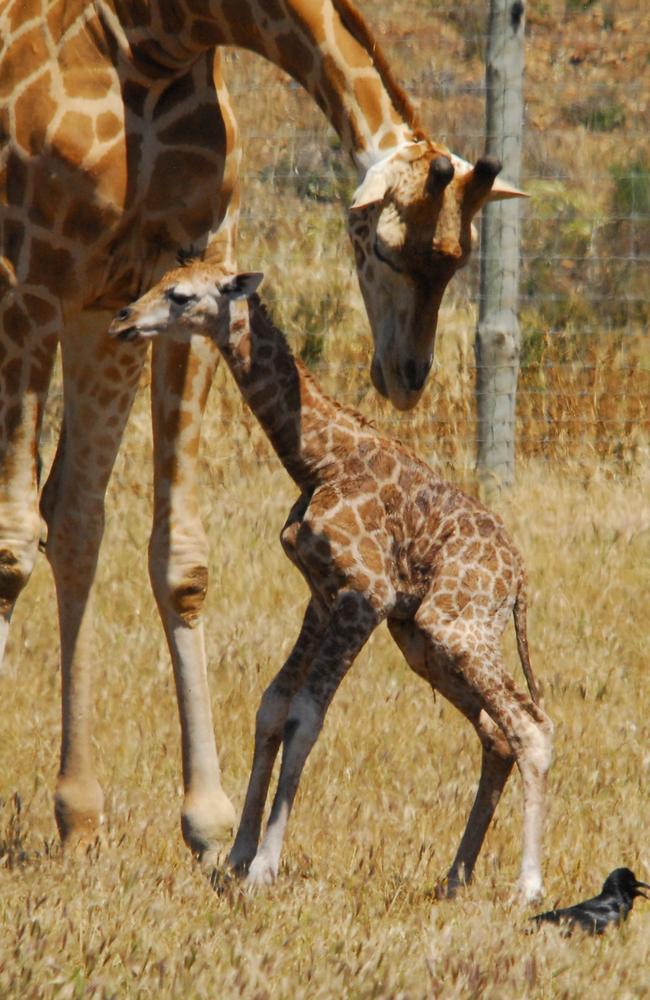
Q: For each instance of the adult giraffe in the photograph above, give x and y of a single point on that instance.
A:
(118, 147)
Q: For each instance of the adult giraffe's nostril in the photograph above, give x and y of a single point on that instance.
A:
(123, 314)
(415, 373)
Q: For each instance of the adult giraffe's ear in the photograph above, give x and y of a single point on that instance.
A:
(241, 286)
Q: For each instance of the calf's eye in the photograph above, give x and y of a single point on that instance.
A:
(178, 298)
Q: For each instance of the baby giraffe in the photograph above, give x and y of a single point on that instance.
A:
(377, 535)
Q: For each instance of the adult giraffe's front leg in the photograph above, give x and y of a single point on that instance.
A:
(178, 557)
(100, 379)
(27, 350)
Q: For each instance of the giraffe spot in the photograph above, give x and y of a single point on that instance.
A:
(365, 484)
(13, 416)
(423, 502)
(17, 324)
(106, 397)
(202, 127)
(134, 96)
(446, 603)
(84, 223)
(389, 140)
(21, 13)
(30, 49)
(346, 560)
(391, 497)
(274, 9)
(42, 312)
(485, 526)
(39, 375)
(354, 467)
(173, 172)
(382, 464)
(334, 85)
(297, 53)
(371, 554)
(16, 174)
(326, 499)
(262, 397)
(205, 33)
(338, 538)
(14, 235)
(172, 17)
(371, 513)
(52, 266)
(107, 126)
(361, 582)
(61, 16)
(368, 92)
(473, 551)
(75, 137)
(406, 477)
(83, 76)
(346, 520)
(322, 548)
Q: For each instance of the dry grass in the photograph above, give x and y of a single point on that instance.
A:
(385, 793)
(387, 789)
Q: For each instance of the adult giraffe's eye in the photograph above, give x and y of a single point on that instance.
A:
(178, 298)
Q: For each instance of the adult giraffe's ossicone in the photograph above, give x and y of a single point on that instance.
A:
(118, 146)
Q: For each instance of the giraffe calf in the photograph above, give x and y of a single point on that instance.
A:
(377, 536)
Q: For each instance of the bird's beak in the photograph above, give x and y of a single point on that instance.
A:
(644, 885)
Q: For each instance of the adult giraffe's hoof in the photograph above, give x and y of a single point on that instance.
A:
(529, 890)
(79, 811)
(207, 821)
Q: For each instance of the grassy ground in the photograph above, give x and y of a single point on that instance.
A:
(387, 789)
(385, 793)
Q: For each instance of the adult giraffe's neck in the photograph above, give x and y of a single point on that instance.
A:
(327, 47)
(291, 409)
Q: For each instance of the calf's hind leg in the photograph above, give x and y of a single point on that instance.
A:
(469, 673)
(497, 758)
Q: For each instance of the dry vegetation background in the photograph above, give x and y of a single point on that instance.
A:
(387, 789)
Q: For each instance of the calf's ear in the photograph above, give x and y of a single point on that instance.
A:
(241, 286)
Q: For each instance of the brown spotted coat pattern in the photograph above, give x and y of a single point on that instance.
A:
(377, 536)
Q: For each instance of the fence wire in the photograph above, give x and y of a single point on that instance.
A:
(585, 243)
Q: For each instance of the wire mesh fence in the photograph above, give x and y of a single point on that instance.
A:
(585, 248)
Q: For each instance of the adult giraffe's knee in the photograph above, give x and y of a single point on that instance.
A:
(179, 581)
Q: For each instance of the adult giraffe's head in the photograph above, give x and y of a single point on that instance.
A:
(411, 228)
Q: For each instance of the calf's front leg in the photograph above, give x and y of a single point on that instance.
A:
(270, 720)
(351, 622)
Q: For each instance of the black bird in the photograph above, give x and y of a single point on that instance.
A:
(612, 906)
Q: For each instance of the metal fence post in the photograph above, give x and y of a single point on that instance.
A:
(498, 335)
